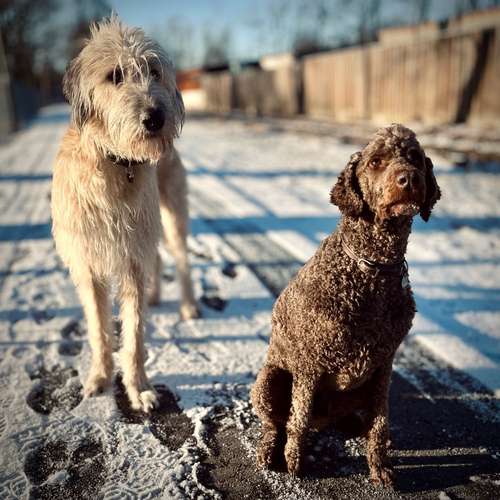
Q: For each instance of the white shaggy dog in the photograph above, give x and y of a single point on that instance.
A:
(117, 178)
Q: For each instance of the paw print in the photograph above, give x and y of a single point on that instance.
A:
(58, 388)
(56, 472)
(168, 423)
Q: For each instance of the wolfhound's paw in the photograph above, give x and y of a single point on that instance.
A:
(292, 457)
(143, 401)
(189, 311)
(149, 400)
(96, 384)
(382, 476)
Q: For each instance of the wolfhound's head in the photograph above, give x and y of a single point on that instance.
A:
(123, 95)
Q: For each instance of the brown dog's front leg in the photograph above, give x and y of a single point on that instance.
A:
(302, 400)
(271, 402)
(378, 434)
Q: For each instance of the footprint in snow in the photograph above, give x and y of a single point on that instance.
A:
(71, 344)
(214, 302)
(57, 389)
(168, 423)
(57, 472)
(229, 270)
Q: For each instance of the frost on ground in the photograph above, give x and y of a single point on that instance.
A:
(259, 207)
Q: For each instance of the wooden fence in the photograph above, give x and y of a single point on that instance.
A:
(218, 87)
(253, 91)
(446, 80)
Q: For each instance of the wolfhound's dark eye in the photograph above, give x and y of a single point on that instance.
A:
(155, 74)
(375, 162)
(115, 76)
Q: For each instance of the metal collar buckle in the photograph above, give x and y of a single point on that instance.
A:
(367, 266)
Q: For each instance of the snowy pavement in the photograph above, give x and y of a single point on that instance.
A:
(259, 208)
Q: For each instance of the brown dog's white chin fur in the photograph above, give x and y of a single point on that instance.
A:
(405, 209)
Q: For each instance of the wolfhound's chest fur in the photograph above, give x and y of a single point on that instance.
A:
(102, 219)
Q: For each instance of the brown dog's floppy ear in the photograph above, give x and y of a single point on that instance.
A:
(432, 191)
(346, 193)
(81, 104)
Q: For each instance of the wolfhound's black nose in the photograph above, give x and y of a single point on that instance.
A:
(155, 118)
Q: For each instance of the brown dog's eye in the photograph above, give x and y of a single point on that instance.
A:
(415, 156)
(155, 74)
(115, 76)
(375, 162)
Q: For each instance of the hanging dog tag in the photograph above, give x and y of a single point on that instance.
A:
(130, 173)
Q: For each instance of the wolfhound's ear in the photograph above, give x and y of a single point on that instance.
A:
(432, 191)
(346, 193)
(179, 112)
(81, 101)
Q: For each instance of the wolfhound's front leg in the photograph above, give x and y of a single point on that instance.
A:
(155, 291)
(174, 218)
(95, 301)
(141, 394)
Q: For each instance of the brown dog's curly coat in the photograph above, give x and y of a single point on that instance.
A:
(337, 325)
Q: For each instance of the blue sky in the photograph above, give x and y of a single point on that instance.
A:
(251, 28)
(216, 15)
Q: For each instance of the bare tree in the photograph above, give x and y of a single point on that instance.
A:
(178, 39)
(20, 21)
(366, 15)
(37, 47)
(422, 10)
(216, 46)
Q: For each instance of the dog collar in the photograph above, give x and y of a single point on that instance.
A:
(125, 163)
(399, 269)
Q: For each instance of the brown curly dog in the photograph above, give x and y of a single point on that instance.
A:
(337, 325)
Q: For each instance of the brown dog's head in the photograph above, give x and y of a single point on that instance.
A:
(391, 177)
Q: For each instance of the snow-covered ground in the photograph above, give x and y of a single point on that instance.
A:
(259, 208)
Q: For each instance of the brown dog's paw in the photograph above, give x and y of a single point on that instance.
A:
(269, 449)
(264, 455)
(293, 458)
(382, 476)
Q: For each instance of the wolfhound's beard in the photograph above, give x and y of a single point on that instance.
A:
(137, 144)
(140, 148)
(146, 149)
